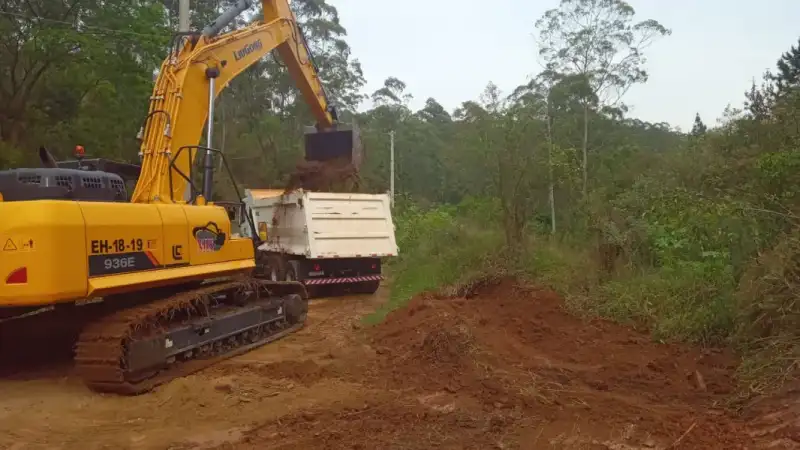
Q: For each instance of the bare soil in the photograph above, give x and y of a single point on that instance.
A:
(502, 367)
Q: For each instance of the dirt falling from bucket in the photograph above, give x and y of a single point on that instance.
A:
(329, 176)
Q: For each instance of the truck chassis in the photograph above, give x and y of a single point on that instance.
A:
(323, 277)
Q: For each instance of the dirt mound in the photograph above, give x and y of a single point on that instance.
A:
(511, 347)
(496, 364)
(449, 345)
(774, 420)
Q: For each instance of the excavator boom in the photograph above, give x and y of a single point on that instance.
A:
(199, 70)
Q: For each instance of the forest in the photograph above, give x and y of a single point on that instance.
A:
(691, 235)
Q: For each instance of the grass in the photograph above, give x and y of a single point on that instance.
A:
(438, 251)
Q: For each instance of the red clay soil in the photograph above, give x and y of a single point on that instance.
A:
(507, 368)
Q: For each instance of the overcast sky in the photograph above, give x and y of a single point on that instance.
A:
(451, 49)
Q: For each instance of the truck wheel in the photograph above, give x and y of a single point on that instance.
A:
(289, 273)
(275, 269)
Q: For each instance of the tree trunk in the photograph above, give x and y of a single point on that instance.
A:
(11, 130)
(552, 181)
(585, 150)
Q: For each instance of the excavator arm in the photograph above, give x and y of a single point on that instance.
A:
(194, 74)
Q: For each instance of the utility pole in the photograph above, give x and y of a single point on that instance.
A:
(183, 15)
(391, 166)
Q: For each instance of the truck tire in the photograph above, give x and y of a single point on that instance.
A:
(289, 273)
(274, 268)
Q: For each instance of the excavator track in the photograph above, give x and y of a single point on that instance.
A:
(133, 350)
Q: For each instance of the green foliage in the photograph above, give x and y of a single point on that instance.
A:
(788, 76)
(768, 317)
(77, 74)
(441, 246)
(690, 302)
(593, 54)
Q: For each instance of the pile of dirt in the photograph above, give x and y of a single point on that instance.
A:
(333, 158)
(330, 176)
(505, 366)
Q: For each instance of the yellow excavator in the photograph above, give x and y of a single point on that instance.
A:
(177, 290)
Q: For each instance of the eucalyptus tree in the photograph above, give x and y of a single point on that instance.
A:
(596, 40)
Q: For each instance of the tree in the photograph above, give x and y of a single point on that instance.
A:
(62, 60)
(788, 66)
(698, 128)
(597, 41)
(759, 101)
(501, 142)
(434, 112)
(541, 90)
(392, 92)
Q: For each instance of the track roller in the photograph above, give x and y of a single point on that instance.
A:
(133, 350)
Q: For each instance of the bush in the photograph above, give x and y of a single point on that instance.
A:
(768, 315)
(440, 246)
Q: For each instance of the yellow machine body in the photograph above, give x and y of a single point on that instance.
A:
(56, 251)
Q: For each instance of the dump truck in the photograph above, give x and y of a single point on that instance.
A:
(331, 242)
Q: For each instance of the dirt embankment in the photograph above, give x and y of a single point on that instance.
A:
(509, 368)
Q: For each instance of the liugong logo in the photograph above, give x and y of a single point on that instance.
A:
(209, 238)
(247, 49)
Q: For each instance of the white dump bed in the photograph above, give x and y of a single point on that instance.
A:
(323, 224)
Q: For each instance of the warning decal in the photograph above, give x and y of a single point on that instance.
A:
(10, 246)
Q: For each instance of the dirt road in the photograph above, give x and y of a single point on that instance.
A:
(506, 368)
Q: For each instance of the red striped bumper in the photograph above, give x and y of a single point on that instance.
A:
(343, 280)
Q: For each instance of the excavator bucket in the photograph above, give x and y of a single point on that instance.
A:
(339, 147)
(332, 160)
